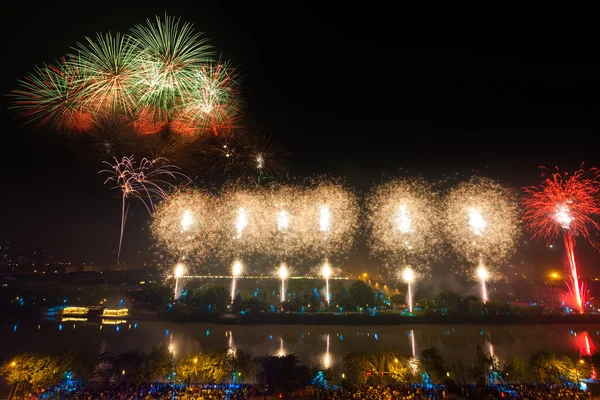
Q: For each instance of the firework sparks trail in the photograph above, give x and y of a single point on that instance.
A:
(482, 274)
(481, 220)
(236, 271)
(568, 206)
(147, 180)
(409, 276)
(326, 272)
(178, 274)
(283, 275)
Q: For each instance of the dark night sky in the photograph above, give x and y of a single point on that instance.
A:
(355, 94)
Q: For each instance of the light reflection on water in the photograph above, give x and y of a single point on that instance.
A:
(316, 346)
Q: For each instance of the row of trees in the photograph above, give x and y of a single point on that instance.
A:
(302, 296)
(31, 372)
(541, 367)
(286, 374)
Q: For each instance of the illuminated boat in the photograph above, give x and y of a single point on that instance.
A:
(115, 313)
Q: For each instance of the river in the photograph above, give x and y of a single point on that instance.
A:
(317, 346)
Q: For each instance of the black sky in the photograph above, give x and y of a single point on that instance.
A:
(349, 92)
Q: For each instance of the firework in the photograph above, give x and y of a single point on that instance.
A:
(403, 224)
(109, 63)
(211, 105)
(566, 206)
(169, 55)
(49, 96)
(483, 275)
(283, 275)
(481, 220)
(146, 181)
(236, 270)
(160, 78)
(329, 212)
(408, 276)
(178, 274)
(326, 272)
(186, 223)
(244, 221)
(282, 221)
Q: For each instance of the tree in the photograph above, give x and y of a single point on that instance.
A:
(433, 364)
(79, 364)
(398, 300)
(188, 366)
(243, 364)
(514, 369)
(236, 304)
(426, 305)
(158, 364)
(359, 365)
(30, 370)
(338, 293)
(153, 295)
(498, 308)
(216, 366)
(448, 301)
(132, 363)
(546, 367)
(291, 305)
(266, 373)
(291, 375)
(361, 295)
(254, 305)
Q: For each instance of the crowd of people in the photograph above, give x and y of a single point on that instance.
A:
(145, 392)
(354, 392)
(417, 392)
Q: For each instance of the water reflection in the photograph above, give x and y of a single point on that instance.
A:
(321, 347)
(327, 356)
(281, 351)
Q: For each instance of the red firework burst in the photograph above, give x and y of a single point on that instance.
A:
(567, 205)
(564, 202)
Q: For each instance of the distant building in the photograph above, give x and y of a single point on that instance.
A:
(541, 294)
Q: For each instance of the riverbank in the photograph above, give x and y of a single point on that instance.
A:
(323, 318)
(385, 318)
